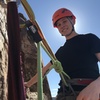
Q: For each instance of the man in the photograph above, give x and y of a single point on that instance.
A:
(79, 57)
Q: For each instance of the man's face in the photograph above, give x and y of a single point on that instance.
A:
(64, 26)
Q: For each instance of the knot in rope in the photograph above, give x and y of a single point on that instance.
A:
(57, 66)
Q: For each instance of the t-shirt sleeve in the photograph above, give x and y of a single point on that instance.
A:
(94, 43)
(57, 54)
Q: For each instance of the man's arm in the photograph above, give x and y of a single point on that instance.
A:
(92, 91)
(98, 56)
(33, 80)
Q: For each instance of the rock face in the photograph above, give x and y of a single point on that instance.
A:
(29, 58)
(3, 54)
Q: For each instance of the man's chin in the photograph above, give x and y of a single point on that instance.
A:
(65, 34)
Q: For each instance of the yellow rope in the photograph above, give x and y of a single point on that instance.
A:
(28, 10)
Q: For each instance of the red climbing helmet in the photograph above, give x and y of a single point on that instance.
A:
(60, 13)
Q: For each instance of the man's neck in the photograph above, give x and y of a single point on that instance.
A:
(71, 35)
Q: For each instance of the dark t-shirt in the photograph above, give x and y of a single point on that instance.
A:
(77, 56)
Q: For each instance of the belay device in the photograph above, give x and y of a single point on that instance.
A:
(33, 31)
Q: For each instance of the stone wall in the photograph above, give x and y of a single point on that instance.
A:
(3, 54)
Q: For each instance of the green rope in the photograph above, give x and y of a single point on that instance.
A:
(56, 65)
(39, 71)
(58, 68)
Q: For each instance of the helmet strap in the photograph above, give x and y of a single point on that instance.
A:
(71, 24)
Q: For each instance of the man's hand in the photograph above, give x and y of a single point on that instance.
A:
(91, 92)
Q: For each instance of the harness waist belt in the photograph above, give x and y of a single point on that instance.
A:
(80, 81)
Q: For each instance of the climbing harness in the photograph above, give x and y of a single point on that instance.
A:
(80, 81)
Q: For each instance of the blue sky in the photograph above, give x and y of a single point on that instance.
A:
(87, 21)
